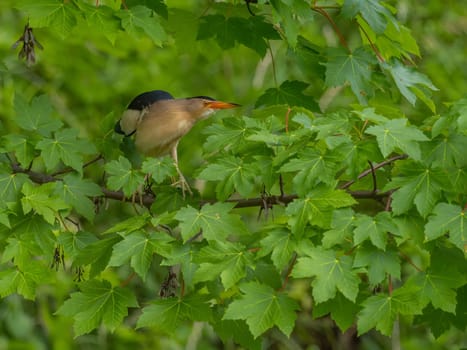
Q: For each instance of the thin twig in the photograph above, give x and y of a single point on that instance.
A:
(289, 271)
(410, 262)
(373, 175)
(248, 7)
(70, 169)
(127, 280)
(375, 167)
(287, 120)
(388, 203)
(339, 34)
(273, 63)
(281, 185)
(373, 46)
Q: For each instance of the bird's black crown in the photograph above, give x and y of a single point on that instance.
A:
(146, 99)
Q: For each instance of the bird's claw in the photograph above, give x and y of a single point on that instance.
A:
(183, 184)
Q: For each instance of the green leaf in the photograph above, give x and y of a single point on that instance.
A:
(157, 6)
(354, 68)
(97, 302)
(411, 83)
(160, 169)
(131, 224)
(65, 146)
(23, 149)
(280, 244)
(316, 208)
(312, 168)
(374, 228)
(331, 274)
(420, 186)
(289, 93)
(379, 263)
(437, 320)
(238, 331)
(342, 225)
(446, 151)
(253, 32)
(23, 282)
(140, 19)
(396, 135)
(342, 311)
(228, 133)
(448, 219)
(214, 220)
(167, 314)
(123, 177)
(101, 19)
(40, 200)
(380, 311)
(377, 312)
(10, 187)
(61, 16)
(73, 243)
(183, 254)
(36, 116)
(139, 248)
(376, 14)
(289, 15)
(76, 192)
(97, 254)
(224, 259)
(263, 308)
(232, 173)
(438, 287)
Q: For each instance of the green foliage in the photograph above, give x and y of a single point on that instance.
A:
(361, 188)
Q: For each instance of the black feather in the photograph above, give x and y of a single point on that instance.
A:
(203, 97)
(146, 99)
(118, 129)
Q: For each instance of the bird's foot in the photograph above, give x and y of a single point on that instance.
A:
(183, 184)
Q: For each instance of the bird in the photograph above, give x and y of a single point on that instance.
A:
(158, 121)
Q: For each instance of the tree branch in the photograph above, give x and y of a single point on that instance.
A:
(148, 199)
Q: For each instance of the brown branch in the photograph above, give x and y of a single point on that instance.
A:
(36, 177)
(147, 199)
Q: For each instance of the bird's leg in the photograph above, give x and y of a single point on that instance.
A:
(182, 182)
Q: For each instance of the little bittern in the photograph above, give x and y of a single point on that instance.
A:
(159, 122)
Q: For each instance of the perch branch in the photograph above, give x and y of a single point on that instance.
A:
(147, 199)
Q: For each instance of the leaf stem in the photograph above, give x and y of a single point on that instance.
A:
(339, 34)
(289, 271)
(373, 46)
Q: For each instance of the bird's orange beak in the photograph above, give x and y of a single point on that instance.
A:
(220, 105)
